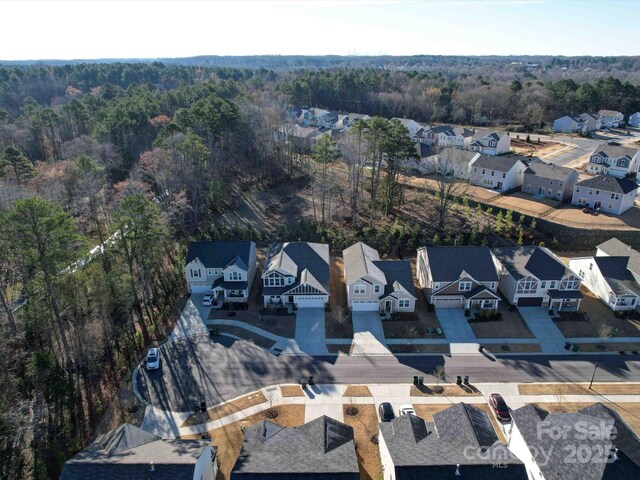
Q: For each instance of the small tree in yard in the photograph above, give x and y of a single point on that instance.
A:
(340, 315)
(439, 373)
(605, 331)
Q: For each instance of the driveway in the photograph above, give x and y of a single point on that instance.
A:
(368, 335)
(310, 330)
(550, 337)
(455, 325)
(191, 321)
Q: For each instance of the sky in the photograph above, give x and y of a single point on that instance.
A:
(156, 28)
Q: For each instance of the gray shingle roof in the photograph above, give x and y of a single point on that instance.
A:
(530, 260)
(480, 134)
(609, 113)
(609, 183)
(502, 163)
(615, 151)
(296, 257)
(547, 170)
(617, 275)
(597, 419)
(220, 254)
(127, 453)
(323, 447)
(615, 248)
(461, 434)
(451, 154)
(447, 263)
(397, 273)
(359, 261)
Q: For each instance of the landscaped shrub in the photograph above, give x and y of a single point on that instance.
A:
(467, 312)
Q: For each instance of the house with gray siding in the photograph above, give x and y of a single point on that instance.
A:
(458, 277)
(449, 162)
(614, 160)
(611, 118)
(568, 124)
(634, 119)
(490, 143)
(377, 285)
(593, 121)
(500, 173)
(608, 194)
(548, 180)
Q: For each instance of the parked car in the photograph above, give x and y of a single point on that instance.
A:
(207, 300)
(406, 410)
(153, 359)
(385, 410)
(499, 407)
(592, 211)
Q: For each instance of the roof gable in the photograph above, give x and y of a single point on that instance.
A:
(548, 170)
(447, 263)
(616, 248)
(609, 183)
(219, 254)
(528, 260)
(360, 261)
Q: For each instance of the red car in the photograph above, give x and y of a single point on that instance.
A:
(499, 407)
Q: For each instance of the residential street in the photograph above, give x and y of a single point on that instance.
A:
(199, 369)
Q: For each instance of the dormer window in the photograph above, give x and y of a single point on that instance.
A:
(464, 286)
(376, 288)
(234, 275)
(195, 273)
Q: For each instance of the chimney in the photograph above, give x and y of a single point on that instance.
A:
(457, 474)
(152, 467)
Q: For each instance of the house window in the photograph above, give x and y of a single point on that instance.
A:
(561, 183)
(529, 186)
(552, 285)
(577, 189)
(597, 192)
(359, 289)
(464, 286)
(611, 205)
(376, 288)
(550, 182)
(581, 273)
(543, 284)
(493, 285)
(195, 273)
(275, 281)
(591, 191)
(234, 275)
(615, 196)
(492, 172)
(209, 271)
(504, 175)
(403, 303)
(527, 286)
(483, 171)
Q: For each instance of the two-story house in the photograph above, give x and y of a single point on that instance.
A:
(131, 453)
(490, 143)
(549, 180)
(634, 119)
(225, 269)
(532, 276)
(569, 124)
(608, 194)
(498, 173)
(458, 277)
(616, 248)
(614, 160)
(350, 118)
(611, 118)
(448, 136)
(296, 274)
(327, 120)
(377, 285)
(449, 162)
(544, 441)
(593, 121)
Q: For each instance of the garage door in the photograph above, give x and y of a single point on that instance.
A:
(200, 287)
(310, 301)
(365, 305)
(447, 302)
(530, 302)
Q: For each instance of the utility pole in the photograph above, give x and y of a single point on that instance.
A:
(593, 376)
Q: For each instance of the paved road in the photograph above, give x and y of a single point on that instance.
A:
(200, 369)
(584, 146)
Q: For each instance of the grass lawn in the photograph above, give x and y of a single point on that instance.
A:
(449, 391)
(597, 313)
(291, 391)
(511, 325)
(337, 301)
(229, 438)
(513, 348)
(630, 412)
(365, 426)
(225, 409)
(622, 388)
(357, 391)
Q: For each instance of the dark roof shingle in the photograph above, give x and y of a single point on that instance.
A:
(608, 183)
(447, 263)
(220, 254)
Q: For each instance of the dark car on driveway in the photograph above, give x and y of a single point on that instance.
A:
(499, 407)
(592, 211)
(385, 410)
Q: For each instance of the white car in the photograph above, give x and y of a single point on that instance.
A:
(207, 300)
(406, 410)
(153, 359)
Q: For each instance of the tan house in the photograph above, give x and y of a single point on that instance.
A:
(377, 285)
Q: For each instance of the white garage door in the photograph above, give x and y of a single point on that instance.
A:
(447, 303)
(310, 301)
(200, 287)
(365, 305)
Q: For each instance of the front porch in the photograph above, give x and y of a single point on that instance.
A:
(563, 300)
(621, 304)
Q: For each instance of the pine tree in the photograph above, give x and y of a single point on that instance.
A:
(15, 161)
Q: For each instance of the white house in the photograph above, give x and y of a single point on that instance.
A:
(634, 119)
(222, 268)
(296, 274)
(490, 143)
(377, 285)
(458, 277)
(611, 118)
(614, 160)
(447, 136)
(608, 194)
(609, 279)
(544, 442)
(532, 276)
(498, 173)
(411, 125)
(129, 452)
(352, 117)
(593, 121)
(615, 248)
(569, 124)
(450, 161)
